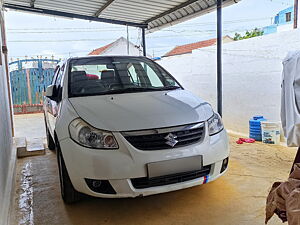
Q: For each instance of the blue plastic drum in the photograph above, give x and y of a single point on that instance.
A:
(255, 127)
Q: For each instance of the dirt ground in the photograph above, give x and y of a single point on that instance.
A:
(238, 198)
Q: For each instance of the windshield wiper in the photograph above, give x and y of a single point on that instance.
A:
(126, 90)
(131, 89)
(170, 88)
(140, 89)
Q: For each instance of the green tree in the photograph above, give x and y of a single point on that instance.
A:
(249, 34)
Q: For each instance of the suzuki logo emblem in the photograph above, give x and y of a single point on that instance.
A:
(171, 140)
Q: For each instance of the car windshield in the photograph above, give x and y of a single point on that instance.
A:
(108, 75)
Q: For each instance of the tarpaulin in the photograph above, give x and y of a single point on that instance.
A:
(284, 199)
(290, 99)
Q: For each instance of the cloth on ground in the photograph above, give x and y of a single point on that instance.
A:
(247, 140)
(284, 199)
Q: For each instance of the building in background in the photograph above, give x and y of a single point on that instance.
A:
(188, 48)
(283, 21)
(118, 47)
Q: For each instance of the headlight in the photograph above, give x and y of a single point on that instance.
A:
(90, 137)
(215, 124)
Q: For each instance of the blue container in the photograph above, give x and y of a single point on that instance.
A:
(255, 127)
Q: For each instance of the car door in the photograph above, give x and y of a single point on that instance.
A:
(47, 102)
(53, 106)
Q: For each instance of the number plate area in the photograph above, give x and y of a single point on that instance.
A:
(168, 167)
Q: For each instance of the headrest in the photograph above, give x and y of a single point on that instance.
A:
(125, 80)
(78, 76)
(92, 76)
(107, 75)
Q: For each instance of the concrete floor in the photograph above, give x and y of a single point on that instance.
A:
(29, 125)
(238, 198)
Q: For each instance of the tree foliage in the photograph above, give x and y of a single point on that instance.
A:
(249, 34)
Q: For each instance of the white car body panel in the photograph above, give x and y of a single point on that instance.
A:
(132, 112)
(139, 111)
(128, 162)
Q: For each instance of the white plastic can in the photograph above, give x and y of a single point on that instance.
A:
(270, 132)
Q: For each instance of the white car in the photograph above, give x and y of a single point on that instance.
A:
(124, 127)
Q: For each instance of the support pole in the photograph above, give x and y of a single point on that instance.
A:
(296, 5)
(127, 40)
(144, 41)
(219, 58)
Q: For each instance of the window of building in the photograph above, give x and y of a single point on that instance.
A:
(288, 17)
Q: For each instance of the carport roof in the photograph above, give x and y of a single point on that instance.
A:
(150, 14)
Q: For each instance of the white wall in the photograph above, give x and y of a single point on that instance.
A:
(285, 27)
(5, 138)
(251, 76)
(120, 48)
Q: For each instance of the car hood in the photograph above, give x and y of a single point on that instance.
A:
(142, 110)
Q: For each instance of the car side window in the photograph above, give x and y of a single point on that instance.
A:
(56, 72)
(152, 75)
(133, 75)
(60, 73)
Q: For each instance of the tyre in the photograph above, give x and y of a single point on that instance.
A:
(50, 141)
(68, 193)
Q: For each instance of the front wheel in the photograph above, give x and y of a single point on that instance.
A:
(68, 193)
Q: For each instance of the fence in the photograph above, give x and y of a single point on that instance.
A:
(29, 80)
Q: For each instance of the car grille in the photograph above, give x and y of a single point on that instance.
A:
(145, 182)
(185, 135)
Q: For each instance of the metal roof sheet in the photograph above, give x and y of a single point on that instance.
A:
(153, 14)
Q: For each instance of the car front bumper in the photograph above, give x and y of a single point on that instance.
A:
(120, 166)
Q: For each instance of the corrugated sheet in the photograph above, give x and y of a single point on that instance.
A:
(156, 13)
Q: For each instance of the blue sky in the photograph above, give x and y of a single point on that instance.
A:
(35, 35)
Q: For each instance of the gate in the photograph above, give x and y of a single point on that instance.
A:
(29, 79)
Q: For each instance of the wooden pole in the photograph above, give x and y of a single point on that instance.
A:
(28, 86)
(296, 14)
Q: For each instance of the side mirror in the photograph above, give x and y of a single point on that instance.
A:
(51, 92)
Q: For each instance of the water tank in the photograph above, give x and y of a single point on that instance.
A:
(255, 127)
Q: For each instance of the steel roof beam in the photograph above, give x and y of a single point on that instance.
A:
(108, 3)
(72, 15)
(171, 10)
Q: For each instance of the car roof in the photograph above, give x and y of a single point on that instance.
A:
(106, 56)
(67, 60)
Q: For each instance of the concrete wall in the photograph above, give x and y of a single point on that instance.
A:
(5, 138)
(252, 71)
(285, 27)
(270, 29)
